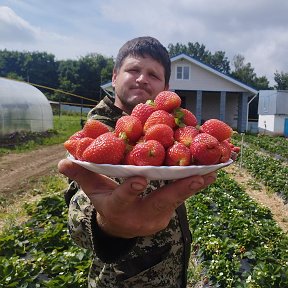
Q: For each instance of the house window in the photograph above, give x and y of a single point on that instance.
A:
(182, 73)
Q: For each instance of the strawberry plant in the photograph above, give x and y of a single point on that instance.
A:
(277, 146)
(270, 171)
(237, 240)
(40, 253)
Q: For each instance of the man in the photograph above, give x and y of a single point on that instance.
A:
(137, 230)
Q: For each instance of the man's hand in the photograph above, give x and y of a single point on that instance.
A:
(121, 211)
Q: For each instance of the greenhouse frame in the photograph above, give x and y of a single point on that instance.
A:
(23, 108)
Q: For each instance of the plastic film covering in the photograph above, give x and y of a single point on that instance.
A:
(23, 108)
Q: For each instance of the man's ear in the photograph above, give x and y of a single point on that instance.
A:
(114, 76)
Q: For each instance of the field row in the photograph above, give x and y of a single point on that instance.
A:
(271, 171)
(276, 146)
(237, 241)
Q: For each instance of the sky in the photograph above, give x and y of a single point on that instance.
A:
(70, 29)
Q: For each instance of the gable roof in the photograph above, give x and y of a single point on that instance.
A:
(213, 70)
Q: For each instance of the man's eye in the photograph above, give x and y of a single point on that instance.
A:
(155, 76)
(133, 70)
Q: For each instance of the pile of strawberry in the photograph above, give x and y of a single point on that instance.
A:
(158, 132)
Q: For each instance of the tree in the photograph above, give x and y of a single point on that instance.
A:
(244, 72)
(281, 79)
(91, 70)
(40, 68)
(84, 77)
(68, 79)
(11, 62)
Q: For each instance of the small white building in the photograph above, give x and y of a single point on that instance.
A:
(273, 112)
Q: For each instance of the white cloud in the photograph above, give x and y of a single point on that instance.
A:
(13, 28)
(68, 29)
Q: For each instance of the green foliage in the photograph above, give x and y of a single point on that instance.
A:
(268, 167)
(237, 240)
(281, 79)
(275, 146)
(40, 253)
(35, 67)
(245, 73)
(81, 77)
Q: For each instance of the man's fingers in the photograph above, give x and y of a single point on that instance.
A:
(88, 180)
(209, 178)
(126, 193)
(175, 193)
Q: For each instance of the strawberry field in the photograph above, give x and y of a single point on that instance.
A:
(266, 158)
(235, 240)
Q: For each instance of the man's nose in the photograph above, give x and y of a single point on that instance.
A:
(142, 78)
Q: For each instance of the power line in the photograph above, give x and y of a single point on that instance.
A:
(61, 91)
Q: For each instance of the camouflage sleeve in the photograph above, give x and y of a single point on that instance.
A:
(86, 233)
(79, 219)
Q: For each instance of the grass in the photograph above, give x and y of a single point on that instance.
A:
(12, 211)
(64, 126)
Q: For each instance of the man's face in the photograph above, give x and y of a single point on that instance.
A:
(138, 80)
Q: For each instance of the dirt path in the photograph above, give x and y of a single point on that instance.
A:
(16, 168)
(259, 193)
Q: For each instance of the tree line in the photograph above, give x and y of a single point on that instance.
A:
(85, 75)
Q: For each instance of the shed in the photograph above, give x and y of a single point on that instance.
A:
(273, 112)
(23, 108)
(207, 92)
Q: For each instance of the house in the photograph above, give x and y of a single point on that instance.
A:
(208, 93)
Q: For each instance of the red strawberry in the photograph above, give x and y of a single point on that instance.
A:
(167, 100)
(82, 145)
(225, 151)
(178, 155)
(128, 159)
(185, 135)
(217, 128)
(162, 133)
(184, 117)
(142, 111)
(71, 146)
(159, 117)
(129, 127)
(148, 153)
(105, 149)
(77, 135)
(94, 128)
(205, 150)
(236, 149)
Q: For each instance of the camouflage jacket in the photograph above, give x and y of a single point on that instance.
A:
(160, 260)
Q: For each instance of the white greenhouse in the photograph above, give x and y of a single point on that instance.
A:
(23, 108)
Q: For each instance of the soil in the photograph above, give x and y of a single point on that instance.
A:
(18, 176)
(17, 169)
(260, 194)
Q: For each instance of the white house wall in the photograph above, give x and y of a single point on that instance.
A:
(271, 124)
(201, 79)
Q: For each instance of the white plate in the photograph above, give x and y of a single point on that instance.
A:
(150, 172)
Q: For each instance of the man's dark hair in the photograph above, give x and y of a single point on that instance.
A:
(145, 46)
